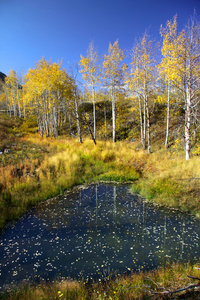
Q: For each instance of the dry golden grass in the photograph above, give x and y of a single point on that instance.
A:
(47, 167)
(37, 169)
(154, 284)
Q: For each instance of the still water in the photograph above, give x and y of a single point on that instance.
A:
(92, 233)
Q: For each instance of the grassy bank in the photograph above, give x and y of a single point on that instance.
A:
(171, 181)
(36, 169)
(144, 285)
(33, 169)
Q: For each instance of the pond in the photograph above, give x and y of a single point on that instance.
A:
(93, 233)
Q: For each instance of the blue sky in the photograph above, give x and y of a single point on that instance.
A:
(63, 29)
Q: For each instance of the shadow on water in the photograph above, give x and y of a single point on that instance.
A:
(92, 233)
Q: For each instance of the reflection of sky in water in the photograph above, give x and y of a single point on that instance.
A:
(93, 233)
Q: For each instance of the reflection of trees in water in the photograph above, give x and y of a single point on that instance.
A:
(117, 220)
(54, 213)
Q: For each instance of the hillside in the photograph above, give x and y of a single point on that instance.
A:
(2, 76)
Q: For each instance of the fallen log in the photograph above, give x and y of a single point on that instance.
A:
(169, 293)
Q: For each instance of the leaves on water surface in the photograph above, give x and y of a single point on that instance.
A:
(93, 233)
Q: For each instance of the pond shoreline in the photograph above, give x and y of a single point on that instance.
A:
(84, 186)
(137, 284)
(125, 284)
(133, 225)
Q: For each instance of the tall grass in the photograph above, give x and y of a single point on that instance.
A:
(45, 168)
(170, 180)
(61, 166)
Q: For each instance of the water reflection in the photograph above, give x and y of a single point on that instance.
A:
(92, 233)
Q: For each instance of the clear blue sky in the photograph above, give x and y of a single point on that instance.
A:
(63, 29)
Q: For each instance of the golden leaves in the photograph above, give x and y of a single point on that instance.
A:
(45, 81)
(90, 67)
(142, 65)
(171, 63)
(113, 70)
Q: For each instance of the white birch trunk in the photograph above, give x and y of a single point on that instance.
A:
(168, 116)
(144, 125)
(113, 111)
(148, 125)
(94, 111)
(105, 120)
(14, 104)
(187, 124)
(18, 101)
(141, 122)
(24, 105)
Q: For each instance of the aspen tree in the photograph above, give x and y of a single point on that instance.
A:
(134, 85)
(141, 80)
(36, 94)
(12, 93)
(91, 75)
(75, 100)
(47, 88)
(20, 91)
(190, 54)
(188, 73)
(168, 66)
(104, 110)
(113, 75)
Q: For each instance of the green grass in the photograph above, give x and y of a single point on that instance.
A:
(171, 181)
